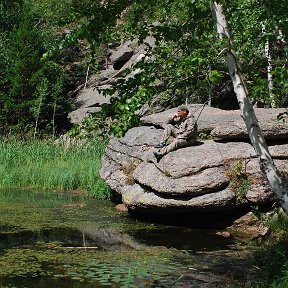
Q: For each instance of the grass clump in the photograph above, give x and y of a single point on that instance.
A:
(239, 182)
(273, 259)
(52, 166)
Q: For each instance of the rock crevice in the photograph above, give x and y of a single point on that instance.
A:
(203, 177)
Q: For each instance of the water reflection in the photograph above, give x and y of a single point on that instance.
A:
(184, 239)
(86, 241)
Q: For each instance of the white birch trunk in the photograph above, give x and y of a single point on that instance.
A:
(269, 69)
(281, 36)
(265, 160)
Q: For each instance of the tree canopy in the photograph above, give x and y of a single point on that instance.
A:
(184, 65)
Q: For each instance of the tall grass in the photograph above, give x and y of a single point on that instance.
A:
(273, 259)
(50, 166)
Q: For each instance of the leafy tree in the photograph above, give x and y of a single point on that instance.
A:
(26, 48)
(49, 103)
(27, 76)
(185, 63)
(9, 14)
(9, 19)
(270, 171)
(179, 49)
(246, 19)
(183, 66)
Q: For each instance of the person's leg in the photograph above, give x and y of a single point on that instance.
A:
(169, 131)
(176, 144)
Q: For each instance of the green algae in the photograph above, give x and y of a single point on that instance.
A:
(41, 237)
(70, 240)
(32, 210)
(110, 267)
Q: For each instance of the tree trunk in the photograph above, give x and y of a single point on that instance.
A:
(258, 141)
(269, 69)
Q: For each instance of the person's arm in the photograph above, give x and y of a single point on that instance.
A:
(189, 129)
(173, 119)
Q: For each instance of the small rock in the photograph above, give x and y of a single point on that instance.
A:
(247, 228)
(224, 234)
(121, 208)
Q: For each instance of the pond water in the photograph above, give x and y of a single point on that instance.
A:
(56, 239)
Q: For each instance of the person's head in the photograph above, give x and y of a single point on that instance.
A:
(182, 111)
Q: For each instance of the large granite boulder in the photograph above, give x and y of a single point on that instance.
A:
(227, 124)
(203, 177)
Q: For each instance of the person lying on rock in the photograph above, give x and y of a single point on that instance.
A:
(182, 126)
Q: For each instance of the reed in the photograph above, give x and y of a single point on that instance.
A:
(52, 166)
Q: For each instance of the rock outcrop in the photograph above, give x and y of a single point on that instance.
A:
(90, 97)
(219, 174)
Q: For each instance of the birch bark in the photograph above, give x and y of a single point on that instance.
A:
(269, 69)
(267, 165)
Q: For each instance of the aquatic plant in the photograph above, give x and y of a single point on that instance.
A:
(48, 240)
(50, 166)
(128, 270)
(45, 244)
(272, 258)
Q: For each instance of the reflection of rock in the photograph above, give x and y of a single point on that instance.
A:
(109, 239)
(247, 228)
(196, 178)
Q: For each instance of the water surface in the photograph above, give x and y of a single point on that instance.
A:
(56, 239)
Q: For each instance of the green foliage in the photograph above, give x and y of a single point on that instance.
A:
(95, 126)
(273, 265)
(176, 70)
(131, 98)
(183, 66)
(132, 273)
(49, 83)
(204, 136)
(278, 223)
(33, 90)
(280, 76)
(52, 12)
(239, 181)
(9, 14)
(272, 258)
(95, 20)
(26, 50)
(51, 166)
(246, 22)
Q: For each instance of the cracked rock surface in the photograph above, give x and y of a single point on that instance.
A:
(196, 178)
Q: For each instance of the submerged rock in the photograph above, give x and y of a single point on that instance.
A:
(213, 175)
